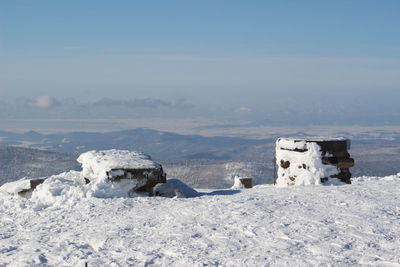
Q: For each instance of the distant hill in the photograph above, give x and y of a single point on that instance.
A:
(17, 162)
(199, 161)
(162, 145)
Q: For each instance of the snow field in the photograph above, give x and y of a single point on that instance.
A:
(346, 225)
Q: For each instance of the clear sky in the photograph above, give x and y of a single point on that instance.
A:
(250, 57)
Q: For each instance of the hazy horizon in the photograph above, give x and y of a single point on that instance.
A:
(260, 63)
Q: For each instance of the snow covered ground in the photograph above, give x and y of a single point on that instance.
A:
(347, 225)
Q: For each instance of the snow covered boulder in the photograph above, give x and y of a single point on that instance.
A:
(129, 171)
(303, 161)
(242, 182)
(175, 188)
(22, 187)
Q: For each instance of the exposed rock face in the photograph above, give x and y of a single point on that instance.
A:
(146, 178)
(137, 170)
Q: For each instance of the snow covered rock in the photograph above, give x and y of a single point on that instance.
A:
(312, 161)
(241, 182)
(105, 174)
(22, 187)
(121, 170)
(175, 188)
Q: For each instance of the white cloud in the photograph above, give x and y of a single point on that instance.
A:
(243, 109)
(44, 102)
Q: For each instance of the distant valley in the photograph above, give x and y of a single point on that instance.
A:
(199, 161)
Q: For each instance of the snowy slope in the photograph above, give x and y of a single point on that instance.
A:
(347, 225)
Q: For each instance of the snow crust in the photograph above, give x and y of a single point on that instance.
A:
(371, 178)
(96, 164)
(305, 168)
(348, 225)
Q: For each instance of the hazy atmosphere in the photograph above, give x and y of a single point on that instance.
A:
(199, 133)
(271, 63)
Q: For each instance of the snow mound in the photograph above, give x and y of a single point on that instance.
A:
(175, 188)
(64, 189)
(96, 164)
(67, 189)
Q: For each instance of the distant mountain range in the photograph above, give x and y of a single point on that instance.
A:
(188, 157)
(162, 145)
(199, 161)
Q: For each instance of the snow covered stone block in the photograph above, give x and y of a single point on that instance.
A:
(136, 171)
(23, 187)
(242, 182)
(303, 161)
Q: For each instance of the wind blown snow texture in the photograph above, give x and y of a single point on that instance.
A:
(357, 224)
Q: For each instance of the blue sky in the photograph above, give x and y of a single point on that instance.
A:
(211, 54)
(334, 28)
